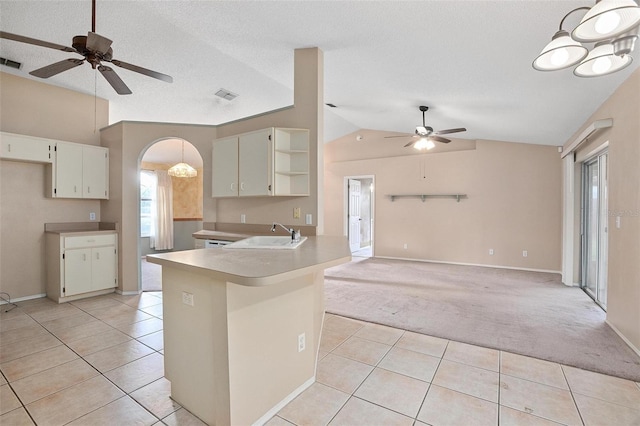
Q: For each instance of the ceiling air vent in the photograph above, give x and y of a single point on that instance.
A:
(225, 94)
(10, 63)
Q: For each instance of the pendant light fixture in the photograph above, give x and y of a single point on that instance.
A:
(612, 24)
(182, 169)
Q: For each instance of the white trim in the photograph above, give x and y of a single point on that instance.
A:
(22, 299)
(279, 406)
(596, 125)
(613, 327)
(470, 264)
(582, 158)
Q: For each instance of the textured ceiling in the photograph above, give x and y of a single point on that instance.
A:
(470, 61)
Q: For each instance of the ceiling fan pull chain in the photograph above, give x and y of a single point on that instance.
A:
(95, 100)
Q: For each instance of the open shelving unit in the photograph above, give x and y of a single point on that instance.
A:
(291, 162)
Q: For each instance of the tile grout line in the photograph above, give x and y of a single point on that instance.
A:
(125, 394)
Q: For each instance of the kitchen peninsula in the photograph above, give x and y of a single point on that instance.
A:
(242, 326)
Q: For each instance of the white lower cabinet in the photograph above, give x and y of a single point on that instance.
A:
(81, 265)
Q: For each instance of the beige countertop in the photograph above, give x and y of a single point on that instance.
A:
(81, 233)
(259, 267)
(219, 235)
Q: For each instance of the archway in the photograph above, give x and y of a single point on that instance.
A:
(182, 210)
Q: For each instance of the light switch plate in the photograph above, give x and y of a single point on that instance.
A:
(308, 219)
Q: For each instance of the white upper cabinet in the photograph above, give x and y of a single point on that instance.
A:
(272, 161)
(255, 151)
(80, 171)
(26, 148)
(242, 165)
(225, 167)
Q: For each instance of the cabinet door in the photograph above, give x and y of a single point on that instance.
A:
(255, 163)
(77, 271)
(225, 168)
(95, 172)
(103, 267)
(25, 148)
(68, 170)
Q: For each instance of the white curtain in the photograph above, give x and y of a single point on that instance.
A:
(162, 213)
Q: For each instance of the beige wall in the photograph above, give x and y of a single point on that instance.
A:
(37, 109)
(513, 204)
(623, 295)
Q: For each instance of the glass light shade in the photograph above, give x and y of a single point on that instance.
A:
(561, 52)
(607, 19)
(602, 61)
(424, 143)
(182, 170)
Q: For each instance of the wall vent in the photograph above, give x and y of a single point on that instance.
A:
(226, 94)
(10, 63)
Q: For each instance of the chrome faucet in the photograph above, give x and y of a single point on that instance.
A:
(295, 235)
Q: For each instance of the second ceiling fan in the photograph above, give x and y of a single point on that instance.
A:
(425, 136)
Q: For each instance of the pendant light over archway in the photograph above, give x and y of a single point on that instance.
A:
(182, 169)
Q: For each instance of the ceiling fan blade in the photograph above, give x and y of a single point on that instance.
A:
(141, 70)
(400, 136)
(439, 139)
(97, 43)
(29, 40)
(115, 81)
(410, 143)
(57, 68)
(444, 132)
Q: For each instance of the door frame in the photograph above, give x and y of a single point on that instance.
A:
(345, 208)
(594, 158)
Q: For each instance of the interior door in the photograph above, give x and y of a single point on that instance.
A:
(354, 214)
(594, 229)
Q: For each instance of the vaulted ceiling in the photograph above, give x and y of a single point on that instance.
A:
(469, 61)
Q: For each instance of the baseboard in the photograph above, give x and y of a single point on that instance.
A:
(262, 420)
(21, 299)
(471, 264)
(622, 336)
(128, 293)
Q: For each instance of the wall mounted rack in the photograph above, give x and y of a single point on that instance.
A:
(423, 197)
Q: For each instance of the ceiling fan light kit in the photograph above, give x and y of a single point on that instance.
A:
(95, 49)
(612, 24)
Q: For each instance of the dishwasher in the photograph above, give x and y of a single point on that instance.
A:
(216, 243)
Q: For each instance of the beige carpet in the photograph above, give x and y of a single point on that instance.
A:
(528, 313)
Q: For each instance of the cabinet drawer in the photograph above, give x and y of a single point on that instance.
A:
(89, 241)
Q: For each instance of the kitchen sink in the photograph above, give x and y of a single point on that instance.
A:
(268, 242)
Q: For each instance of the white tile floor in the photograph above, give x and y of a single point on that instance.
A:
(100, 361)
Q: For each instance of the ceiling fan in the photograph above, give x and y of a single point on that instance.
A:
(425, 136)
(95, 49)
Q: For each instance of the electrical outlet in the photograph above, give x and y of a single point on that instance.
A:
(490, 252)
(92, 216)
(618, 222)
(525, 253)
(187, 298)
(296, 213)
(301, 342)
(308, 219)
(243, 218)
(405, 246)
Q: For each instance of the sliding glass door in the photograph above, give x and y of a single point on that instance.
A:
(594, 229)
